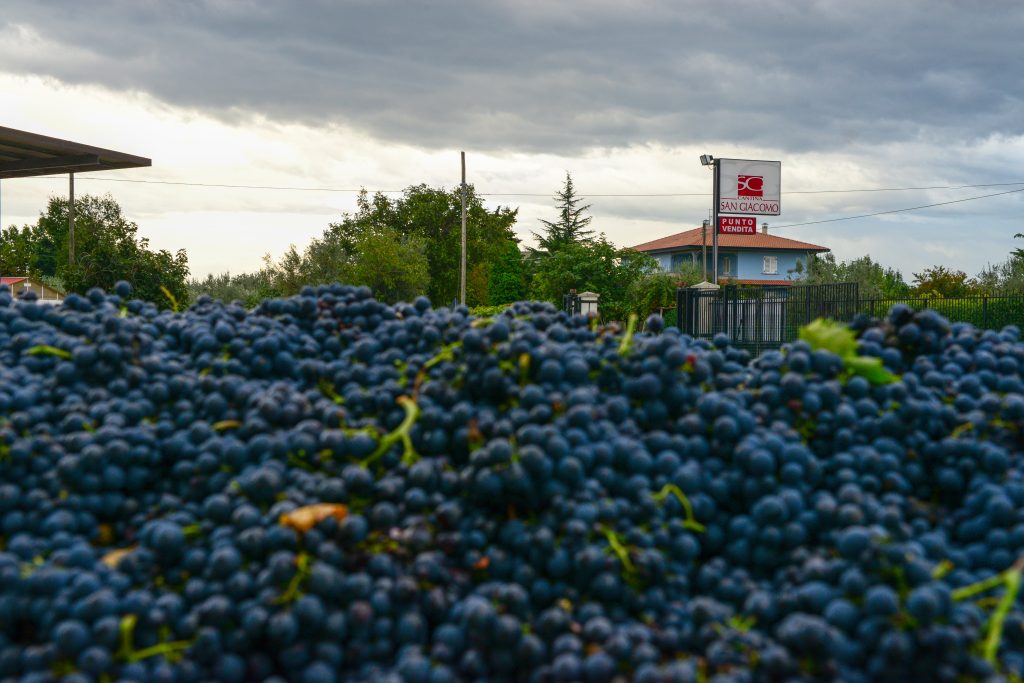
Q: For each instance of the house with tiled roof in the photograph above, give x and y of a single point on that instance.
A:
(757, 259)
(19, 285)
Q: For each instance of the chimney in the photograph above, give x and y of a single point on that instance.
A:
(764, 228)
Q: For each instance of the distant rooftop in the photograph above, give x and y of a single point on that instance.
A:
(692, 238)
(24, 154)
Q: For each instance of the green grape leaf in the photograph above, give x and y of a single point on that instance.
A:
(840, 340)
(869, 368)
(830, 336)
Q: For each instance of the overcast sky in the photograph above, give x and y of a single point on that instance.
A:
(850, 95)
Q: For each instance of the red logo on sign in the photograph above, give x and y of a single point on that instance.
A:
(750, 186)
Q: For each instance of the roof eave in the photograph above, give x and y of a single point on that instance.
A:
(30, 154)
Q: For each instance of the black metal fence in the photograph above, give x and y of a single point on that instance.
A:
(984, 312)
(571, 303)
(760, 318)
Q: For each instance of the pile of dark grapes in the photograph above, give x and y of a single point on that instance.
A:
(328, 488)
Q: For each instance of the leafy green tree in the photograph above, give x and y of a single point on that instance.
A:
(435, 216)
(247, 288)
(507, 283)
(107, 249)
(874, 280)
(655, 291)
(290, 272)
(597, 266)
(356, 252)
(943, 282)
(1002, 278)
(571, 226)
(388, 243)
(1018, 252)
(17, 251)
(393, 265)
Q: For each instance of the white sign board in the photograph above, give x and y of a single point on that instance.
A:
(750, 187)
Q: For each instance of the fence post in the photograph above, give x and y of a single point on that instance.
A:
(984, 312)
(758, 327)
(681, 309)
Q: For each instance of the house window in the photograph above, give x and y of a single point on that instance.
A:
(770, 265)
(680, 259)
(726, 265)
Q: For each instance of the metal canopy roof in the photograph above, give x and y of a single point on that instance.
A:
(24, 154)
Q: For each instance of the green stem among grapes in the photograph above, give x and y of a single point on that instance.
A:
(1011, 580)
(401, 433)
(294, 589)
(995, 629)
(690, 522)
(171, 650)
(619, 550)
(969, 591)
(626, 345)
(47, 350)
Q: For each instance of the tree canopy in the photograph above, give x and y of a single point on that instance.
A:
(875, 281)
(107, 249)
(405, 247)
(596, 265)
(571, 225)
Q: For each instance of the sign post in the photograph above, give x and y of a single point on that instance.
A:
(744, 186)
(717, 187)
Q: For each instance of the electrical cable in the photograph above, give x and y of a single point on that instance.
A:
(882, 213)
(684, 194)
(527, 194)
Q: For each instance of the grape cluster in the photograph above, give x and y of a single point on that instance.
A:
(328, 488)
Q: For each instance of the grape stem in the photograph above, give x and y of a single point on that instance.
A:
(690, 522)
(47, 350)
(619, 550)
(627, 339)
(995, 629)
(941, 569)
(292, 592)
(447, 353)
(401, 433)
(128, 653)
(170, 298)
(1011, 580)
(328, 390)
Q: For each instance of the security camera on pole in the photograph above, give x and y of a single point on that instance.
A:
(742, 186)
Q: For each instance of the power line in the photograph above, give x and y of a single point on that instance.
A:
(676, 194)
(296, 188)
(228, 186)
(708, 194)
(882, 213)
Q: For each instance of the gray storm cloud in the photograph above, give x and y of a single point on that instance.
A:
(529, 77)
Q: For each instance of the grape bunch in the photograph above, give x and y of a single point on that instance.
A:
(327, 488)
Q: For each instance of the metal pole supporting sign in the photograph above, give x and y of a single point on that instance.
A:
(714, 219)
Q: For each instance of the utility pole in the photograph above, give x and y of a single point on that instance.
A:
(71, 219)
(462, 270)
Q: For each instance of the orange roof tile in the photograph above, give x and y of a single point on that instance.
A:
(691, 238)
